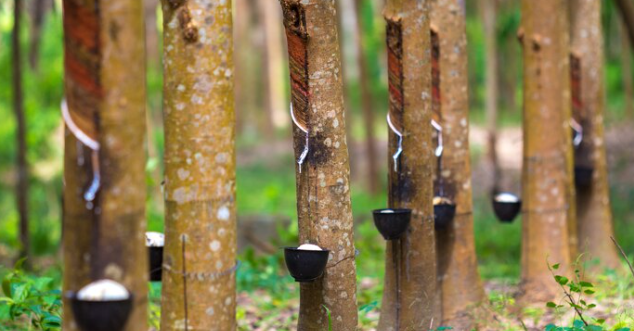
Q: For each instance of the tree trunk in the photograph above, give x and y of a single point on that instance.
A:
(243, 67)
(457, 263)
(372, 175)
(39, 8)
(151, 33)
(345, 73)
(200, 223)
(626, 8)
(104, 236)
(273, 64)
(22, 185)
(547, 147)
(593, 202)
(489, 17)
(411, 299)
(626, 62)
(323, 187)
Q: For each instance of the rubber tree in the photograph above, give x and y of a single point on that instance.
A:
(323, 188)
(626, 8)
(366, 100)
(489, 18)
(104, 158)
(547, 149)
(628, 80)
(593, 202)
(411, 299)
(22, 167)
(458, 276)
(200, 212)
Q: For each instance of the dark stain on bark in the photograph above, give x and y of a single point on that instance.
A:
(320, 152)
(176, 3)
(403, 189)
(189, 29)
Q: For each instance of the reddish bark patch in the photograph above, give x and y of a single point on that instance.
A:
(297, 38)
(435, 73)
(82, 46)
(395, 71)
(575, 87)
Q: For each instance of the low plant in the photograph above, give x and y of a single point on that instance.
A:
(29, 299)
(578, 295)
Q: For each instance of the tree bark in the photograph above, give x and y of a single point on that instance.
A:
(626, 62)
(366, 104)
(345, 74)
(243, 66)
(457, 263)
(200, 223)
(323, 186)
(411, 299)
(39, 8)
(151, 33)
(626, 8)
(273, 68)
(489, 17)
(105, 91)
(22, 185)
(547, 148)
(593, 203)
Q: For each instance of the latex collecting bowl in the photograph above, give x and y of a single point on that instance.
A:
(392, 223)
(444, 211)
(109, 315)
(305, 265)
(506, 206)
(583, 176)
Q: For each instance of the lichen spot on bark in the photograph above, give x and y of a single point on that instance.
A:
(223, 213)
(215, 245)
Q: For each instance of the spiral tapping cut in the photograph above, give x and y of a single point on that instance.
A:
(95, 184)
(399, 150)
(302, 157)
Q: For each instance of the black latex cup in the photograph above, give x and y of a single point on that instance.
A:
(583, 176)
(100, 315)
(444, 213)
(156, 263)
(305, 265)
(392, 223)
(506, 211)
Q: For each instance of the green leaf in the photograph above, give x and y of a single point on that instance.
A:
(594, 328)
(6, 286)
(589, 292)
(561, 280)
(19, 264)
(556, 266)
(586, 284)
(20, 292)
(578, 324)
(592, 305)
(551, 305)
